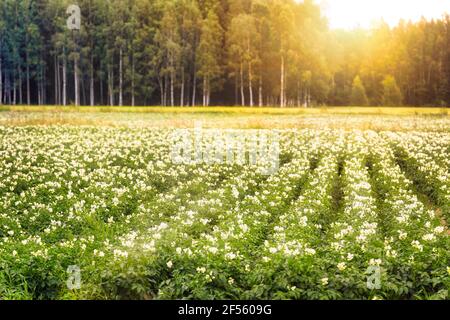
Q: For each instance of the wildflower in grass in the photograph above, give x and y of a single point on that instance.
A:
(324, 281)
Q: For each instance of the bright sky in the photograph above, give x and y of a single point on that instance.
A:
(349, 14)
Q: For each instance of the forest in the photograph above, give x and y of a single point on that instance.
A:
(215, 52)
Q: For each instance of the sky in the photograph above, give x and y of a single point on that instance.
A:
(348, 14)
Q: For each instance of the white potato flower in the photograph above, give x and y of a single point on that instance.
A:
(342, 266)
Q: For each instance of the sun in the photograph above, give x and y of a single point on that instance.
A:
(348, 14)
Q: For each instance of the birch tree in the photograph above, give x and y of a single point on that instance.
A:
(209, 53)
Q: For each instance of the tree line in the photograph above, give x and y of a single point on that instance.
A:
(215, 52)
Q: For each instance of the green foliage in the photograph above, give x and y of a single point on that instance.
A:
(209, 55)
(148, 52)
(111, 201)
(392, 95)
(359, 97)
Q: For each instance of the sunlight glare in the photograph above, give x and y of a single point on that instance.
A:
(348, 14)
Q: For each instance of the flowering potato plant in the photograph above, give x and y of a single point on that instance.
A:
(349, 214)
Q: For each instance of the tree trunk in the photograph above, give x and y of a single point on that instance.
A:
(164, 82)
(39, 92)
(101, 90)
(8, 87)
(132, 82)
(6, 90)
(250, 77)
(64, 80)
(161, 89)
(182, 88)
(27, 58)
(75, 73)
(236, 88)
(187, 90)
(194, 88)
(91, 83)
(58, 77)
(282, 96)
(120, 77)
(260, 92)
(83, 91)
(43, 83)
(242, 85)
(14, 88)
(110, 86)
(1, 77)
(28, 79)
(77, 89)
(204, 91)
(20, 85)
(194, 75)
(208, 92)
(309, 97)
(172, 84)
(55, 88)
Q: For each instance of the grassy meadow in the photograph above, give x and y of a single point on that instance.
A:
(379, 118)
